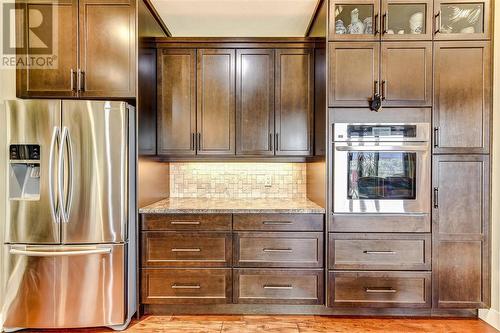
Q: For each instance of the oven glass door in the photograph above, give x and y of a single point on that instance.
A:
(381, 178)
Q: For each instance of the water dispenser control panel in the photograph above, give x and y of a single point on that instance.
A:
(24, 152)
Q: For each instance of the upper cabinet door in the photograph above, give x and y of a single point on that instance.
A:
(107, 48)
(294, 89)
(396, 87)
(354, 20)
(353, 73)
(255, 102)
(216, 101)
(462, 19)
(56, 75)
(462, 97)
(406, 20)
(176, 101)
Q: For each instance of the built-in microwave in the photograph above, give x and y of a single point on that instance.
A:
(381, 168)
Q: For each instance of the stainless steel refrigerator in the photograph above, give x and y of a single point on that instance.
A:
(69, 248)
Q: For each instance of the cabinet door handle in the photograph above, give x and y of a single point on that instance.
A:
(278, 286)
(435, 197)
(287, 250)
(270, 141)
(80, 80)
(384, 89)
(198, 141)
(186, 286)
(376, 25)
(379, 252)
(193, 141)
(437, 22)
(276, 222)
(375, 88)
(384, 24)
(73, 80)
(185, 222)
(436, 137)
(380, 290)
(276, 141)
(186, 250)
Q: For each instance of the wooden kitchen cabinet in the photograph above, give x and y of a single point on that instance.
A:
(340, 13)
(461, 254)
(107, 48)
(462, 19)
(403, 84)
(176, 101)
(96, 55)
(58, 80)
(353, 73)
(406, 20)
(462, 97)
(255, 102)
(216, 101)
(294, 96)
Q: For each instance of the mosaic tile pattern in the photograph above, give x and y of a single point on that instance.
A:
(238, 180)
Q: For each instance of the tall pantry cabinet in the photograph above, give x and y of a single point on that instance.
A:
(435, 55)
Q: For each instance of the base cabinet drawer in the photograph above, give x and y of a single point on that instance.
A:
(278, 222)
(380, 251)
(278, 249)
(191, 222)
(275, 286)
(186, 249)
(186, 286)
(380, 289)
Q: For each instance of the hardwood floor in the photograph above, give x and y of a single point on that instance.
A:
(294, 324)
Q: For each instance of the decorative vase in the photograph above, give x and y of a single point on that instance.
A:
(368, 25)
(356, 27)
(340, 28)
(417, 23)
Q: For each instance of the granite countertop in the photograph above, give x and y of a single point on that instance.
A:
(204, 205)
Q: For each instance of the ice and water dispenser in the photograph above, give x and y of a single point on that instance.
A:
(24, 172)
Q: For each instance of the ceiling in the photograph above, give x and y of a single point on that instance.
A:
(236, 18)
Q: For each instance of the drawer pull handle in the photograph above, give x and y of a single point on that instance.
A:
(185, 222)
(382, 290)
(186, 286)
(276, 222)
(379, 252)
(289, 250)
(278, 286)
(186, 250)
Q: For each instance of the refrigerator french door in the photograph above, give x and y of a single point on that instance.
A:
(68, 218)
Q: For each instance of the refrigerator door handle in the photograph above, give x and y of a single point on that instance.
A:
(60, 179)
(40, 253)
(54, 211)
(70, 177)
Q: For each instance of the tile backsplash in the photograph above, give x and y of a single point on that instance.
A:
(238, 180)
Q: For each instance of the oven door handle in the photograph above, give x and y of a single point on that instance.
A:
(382, 148)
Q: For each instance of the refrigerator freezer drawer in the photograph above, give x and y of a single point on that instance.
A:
(65, 286)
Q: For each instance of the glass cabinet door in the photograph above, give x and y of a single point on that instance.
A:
(406, 20)
(354, 20)
(462, 19)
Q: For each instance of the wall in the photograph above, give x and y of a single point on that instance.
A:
(238, 180)
(492, 316)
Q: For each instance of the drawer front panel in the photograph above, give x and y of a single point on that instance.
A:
(380, 223)
(279, 249)
(380, 289)
(193, 222)
(278, 222)
(278, 286)
(380, 251)
(186, 286)
(195, 249)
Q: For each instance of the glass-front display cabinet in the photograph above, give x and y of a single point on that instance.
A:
(462, 19)
(406, 20)
(354, 20)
